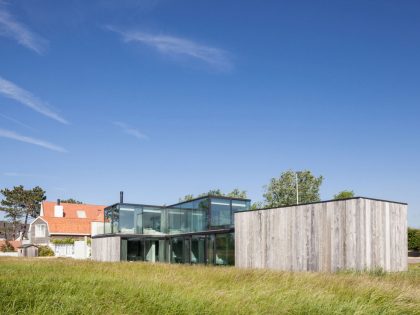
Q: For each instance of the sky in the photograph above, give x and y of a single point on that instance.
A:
(161, 99)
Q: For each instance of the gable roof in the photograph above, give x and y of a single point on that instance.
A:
(71, 223)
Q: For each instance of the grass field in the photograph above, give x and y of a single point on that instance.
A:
(63, 286)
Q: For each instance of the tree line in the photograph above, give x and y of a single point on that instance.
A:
(288, 189)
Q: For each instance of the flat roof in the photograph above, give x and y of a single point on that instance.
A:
(325, 201)
(178, 203)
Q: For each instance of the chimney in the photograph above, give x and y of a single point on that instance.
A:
(121, 197)
(58, 209)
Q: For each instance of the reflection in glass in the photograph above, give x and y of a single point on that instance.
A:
(126, 220)
(177, 250)
(198, 250)
(152, 219)
(220, 212)
(225, 249)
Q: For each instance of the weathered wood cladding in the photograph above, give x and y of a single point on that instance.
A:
(106, 248)
(358, 234)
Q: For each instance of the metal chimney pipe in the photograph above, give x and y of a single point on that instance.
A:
(121, 197)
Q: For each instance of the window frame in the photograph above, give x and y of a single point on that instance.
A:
(38, 230)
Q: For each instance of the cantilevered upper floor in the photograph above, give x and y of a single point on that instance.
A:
(197, 215)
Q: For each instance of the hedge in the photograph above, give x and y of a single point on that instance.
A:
(413, 239)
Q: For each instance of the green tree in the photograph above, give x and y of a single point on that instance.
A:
(21, 203)
(71, 200)
(282, 191)
(186, 198)
(257, 205)
(345, 194)
(236, 193)
(413, 238)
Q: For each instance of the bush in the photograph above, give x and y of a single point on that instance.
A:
(44, 251)
(413, 239)
(63, 241)
(7, 247)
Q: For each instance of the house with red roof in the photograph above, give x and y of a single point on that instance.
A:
(59, 220)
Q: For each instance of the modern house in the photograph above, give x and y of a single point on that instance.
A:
(356, 233)
(195, 231)
(65, 221)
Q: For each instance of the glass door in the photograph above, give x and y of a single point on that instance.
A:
(198, 249)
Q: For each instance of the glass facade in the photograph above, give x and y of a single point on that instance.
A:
(199, 231)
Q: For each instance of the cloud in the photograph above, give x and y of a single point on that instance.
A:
(172, 45)
(12, 135)
(10, 27)
(14, 92)
(16, 121)
(15, 174)
(131, 131)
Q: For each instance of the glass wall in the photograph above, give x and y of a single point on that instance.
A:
(203, 214)
(198, 249)
(225, 249)
(221, 214)
(152, 220)
(239, 205)
(177, 250)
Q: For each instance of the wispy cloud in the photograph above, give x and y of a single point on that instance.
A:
(16, 121)
(131, 131)
(12, 91)
(16, 174)
(10, 27)
(47, 145)
(172, 45)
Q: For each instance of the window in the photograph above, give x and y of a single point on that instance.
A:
(40, 230)
(220, 212)
(81, 214)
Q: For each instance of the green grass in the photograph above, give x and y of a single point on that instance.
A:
(61, 286)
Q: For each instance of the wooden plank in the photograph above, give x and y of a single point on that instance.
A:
(352, 234)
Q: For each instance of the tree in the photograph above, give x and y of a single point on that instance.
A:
(257, 205)
(413, 238)
(20, 202)
(71, 200)
(186, 198)
(282, 191)
(236, 193)
(345, 194)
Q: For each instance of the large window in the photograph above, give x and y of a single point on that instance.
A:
(177, 250)
(225, 249)
(40, 230)
(221, 214)
(178, 221)
(198, 249)
(126, 220)
(239, 205)
(152, 220)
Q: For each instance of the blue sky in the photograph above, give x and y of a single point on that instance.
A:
(165, 98)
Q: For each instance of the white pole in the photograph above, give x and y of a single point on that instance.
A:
(297, 188)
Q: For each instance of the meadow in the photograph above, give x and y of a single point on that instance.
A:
(65, 286)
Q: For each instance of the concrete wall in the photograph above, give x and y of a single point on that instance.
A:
(106, 248)
(356, 233)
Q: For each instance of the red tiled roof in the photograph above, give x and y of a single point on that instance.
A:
(71, 223)
(15, 244)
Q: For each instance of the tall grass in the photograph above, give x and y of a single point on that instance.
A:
(61, 286)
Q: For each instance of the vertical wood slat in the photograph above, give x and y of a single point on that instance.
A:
(350, 234)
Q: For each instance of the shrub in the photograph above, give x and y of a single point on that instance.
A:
(7, 247)
(413, 239)
(44, 251)
(63, 241)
